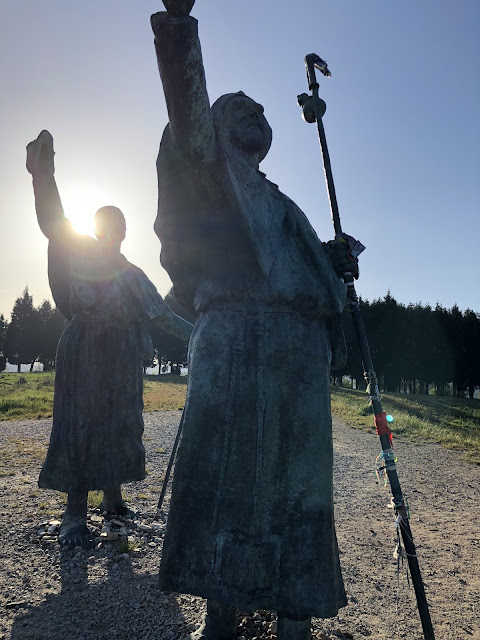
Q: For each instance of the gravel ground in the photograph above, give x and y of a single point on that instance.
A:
(106, 594)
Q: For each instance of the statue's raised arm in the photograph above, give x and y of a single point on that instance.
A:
(181, 69)
(51, 218)
(40, 164)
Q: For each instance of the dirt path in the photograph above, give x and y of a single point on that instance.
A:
(103, 594)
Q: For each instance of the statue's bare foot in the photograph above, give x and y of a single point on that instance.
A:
(219, 623)
(116, 508)
(199, 633)
(114, 504)
(293, 629)
(119, 510)
(75, 533)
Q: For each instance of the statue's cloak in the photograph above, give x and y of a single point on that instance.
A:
(251, 518)
(96, 438)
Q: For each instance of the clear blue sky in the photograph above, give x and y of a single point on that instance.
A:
(402, 126)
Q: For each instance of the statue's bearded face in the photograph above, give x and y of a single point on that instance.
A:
(249, 129)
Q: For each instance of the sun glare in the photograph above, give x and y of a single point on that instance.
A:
(80, 205)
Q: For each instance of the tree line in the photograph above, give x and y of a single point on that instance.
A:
(415, 348)
(33, 333)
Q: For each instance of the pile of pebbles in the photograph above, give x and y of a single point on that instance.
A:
(125, 531)
(262, 625)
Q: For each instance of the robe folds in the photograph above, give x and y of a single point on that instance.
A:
(96, 438)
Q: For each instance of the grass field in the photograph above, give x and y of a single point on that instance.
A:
(452, 422)
(164, 392)
(26, 395)
(30, 395)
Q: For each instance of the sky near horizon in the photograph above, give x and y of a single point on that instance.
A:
(402, 127)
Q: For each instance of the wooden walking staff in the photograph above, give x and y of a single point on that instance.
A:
(169, 467)
(313, 111)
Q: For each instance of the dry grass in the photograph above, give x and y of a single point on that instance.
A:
(26, 395)
(17, 453)
(129, 546)
(156, 489)
(95, 498)
(451, 422)
(165, 392)
(30, 395)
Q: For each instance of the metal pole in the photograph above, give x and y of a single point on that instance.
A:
(313, 111)
(332, 196)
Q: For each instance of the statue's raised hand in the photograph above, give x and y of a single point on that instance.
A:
(178, 8)
(40, 155)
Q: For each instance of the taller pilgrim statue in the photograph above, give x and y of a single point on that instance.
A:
(251, 523)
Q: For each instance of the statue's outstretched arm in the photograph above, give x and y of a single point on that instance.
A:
(171, 323)
(181, 69)
(48, 205)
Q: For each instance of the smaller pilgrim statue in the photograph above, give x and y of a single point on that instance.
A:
(96, 439)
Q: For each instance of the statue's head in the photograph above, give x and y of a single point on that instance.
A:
(239, 122)
(110, 226)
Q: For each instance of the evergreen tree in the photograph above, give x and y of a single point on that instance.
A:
(386, 333)
(414, 347)
(22, 336)
(441, 367)
(471, 353)
(3, 331)
(456, 345)
(353, 367)
(52, 325)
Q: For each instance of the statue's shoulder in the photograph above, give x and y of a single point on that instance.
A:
(84, 248)
(137, 278)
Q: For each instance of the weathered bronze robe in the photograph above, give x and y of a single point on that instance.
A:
(251, 516)
(96, 438)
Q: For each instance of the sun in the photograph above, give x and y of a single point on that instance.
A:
(80, 205)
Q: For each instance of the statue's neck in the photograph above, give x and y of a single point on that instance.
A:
(248, 159)
(110, 252)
